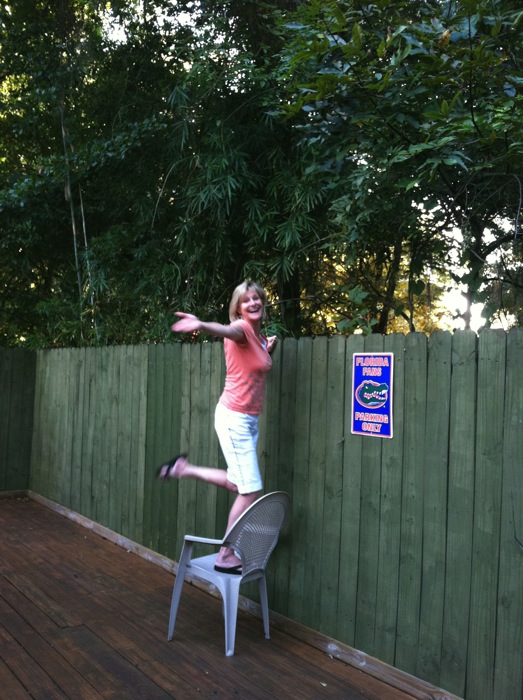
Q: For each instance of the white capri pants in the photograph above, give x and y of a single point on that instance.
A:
(238, 436)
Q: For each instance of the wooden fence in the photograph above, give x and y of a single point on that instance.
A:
(409, 549)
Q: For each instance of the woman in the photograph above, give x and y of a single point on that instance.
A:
(248, 362)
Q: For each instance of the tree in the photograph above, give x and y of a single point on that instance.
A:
(38, 80)
(85, 120)
(332, 150)
(178, 182)
(414, 105)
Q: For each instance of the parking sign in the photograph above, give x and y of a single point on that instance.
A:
(372, 394)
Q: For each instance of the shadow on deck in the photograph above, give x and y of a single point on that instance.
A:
(82, 617)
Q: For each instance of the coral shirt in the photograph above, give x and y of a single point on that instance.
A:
(247, 366)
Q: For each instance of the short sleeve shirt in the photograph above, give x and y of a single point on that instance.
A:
(247, 366)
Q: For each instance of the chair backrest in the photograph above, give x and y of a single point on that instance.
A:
(255, 534)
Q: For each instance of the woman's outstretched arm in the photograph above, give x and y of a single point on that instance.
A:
(189, 323)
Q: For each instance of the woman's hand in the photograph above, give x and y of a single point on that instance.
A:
(188, 323)
(271, 343)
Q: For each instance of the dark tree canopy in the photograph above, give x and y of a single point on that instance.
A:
(356, 159)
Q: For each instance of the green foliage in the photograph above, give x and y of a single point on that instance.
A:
(177, 182)
(413, 110)
(330, 149)
(114, 124)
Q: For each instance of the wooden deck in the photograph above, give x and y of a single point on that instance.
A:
(82, 617)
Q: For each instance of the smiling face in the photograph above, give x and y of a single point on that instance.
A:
(251, 307)
(248, 302)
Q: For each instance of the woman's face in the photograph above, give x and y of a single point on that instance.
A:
(251, 306)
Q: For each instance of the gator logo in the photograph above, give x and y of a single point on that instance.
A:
(372, 395)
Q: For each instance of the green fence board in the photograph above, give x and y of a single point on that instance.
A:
(48, 466)
(167, 413)
(103, 429)
(171, 426)
(64, 397)
(160, 447)
(487, 507)
(114, 497)
(509, 623)
(390, 514)
(169, 491)
(132, 441)
(42, 465)
(513, 448)
(208, 494)
(107, 511)
(201, 437)
(409, 593)
(460, 508)
(72, 469)
(300, 562)
(124, 513)
(78, 420)
(96, 425)
(317, 467)
(269, 426)
(224, 500)
(285, 356)
(87, 433)
(333, 484)
(36, 462)
(98, 421)
(186, 512)
(435, 475)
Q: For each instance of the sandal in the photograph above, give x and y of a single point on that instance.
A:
(166, 471)
(229, 569)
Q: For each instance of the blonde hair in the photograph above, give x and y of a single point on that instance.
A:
(238, 294)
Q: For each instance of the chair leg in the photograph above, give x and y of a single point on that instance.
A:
(231, 594)
(264, 605)
(185, 558)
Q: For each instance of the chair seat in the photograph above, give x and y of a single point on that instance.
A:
(203, 567)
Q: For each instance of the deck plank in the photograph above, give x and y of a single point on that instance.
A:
(82, 618)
